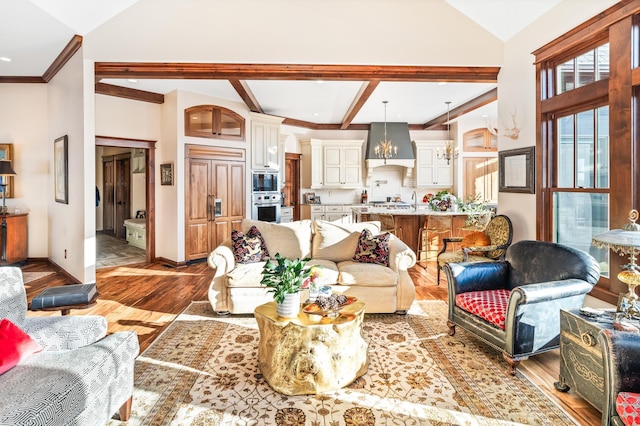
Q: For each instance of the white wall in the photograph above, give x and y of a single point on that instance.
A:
(66, 116)
(23, 123)
(517, 89)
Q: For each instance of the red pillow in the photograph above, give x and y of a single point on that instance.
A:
(15, 345)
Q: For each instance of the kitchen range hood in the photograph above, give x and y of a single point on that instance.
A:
(398, 134)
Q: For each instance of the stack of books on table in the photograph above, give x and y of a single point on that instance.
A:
(66, 295)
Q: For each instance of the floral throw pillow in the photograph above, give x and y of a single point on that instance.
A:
(373, 249)
(249, 247)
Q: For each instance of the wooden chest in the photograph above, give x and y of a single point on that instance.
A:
(581, 368)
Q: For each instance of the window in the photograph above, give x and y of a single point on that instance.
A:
(588, 148)
(591, 66)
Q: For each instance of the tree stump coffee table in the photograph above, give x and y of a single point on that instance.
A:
(311, 353)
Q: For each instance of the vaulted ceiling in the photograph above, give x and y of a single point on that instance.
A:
(40, 35)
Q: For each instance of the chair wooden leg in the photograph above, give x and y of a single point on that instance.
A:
(452, 328)
(513, 363)
(125, 410)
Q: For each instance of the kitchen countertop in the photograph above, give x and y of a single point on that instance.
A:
(422, 210)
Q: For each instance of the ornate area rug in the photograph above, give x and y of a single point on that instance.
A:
(203, 371)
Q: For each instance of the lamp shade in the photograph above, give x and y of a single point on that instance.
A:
(6, 169)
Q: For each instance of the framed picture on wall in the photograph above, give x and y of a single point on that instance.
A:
(61, 169)
(166, 174)
(6, 153)
(517, 170)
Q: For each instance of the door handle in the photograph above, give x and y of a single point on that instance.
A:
(209, 208)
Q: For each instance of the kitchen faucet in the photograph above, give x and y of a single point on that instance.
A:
(415, 202)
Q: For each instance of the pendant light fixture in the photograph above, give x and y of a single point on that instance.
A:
(385, 148)
(450, 149)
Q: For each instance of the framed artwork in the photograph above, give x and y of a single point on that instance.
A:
(517, 170)
(166, 174)
(310, 197)
(61, 169)
(6, 153)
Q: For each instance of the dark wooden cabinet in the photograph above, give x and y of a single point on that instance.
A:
(215, 197)
(214, 122)
(16, 248)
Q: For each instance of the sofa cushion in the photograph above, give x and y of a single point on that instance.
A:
(372, 248)
(15, 345)
(247, 275)
(248, 247)
(338, 241)
(628, 408)
(490, 305)
(476, 239)
(329, 273)
(292, 240)
(366, 274)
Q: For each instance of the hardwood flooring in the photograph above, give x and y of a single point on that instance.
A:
(147, 298)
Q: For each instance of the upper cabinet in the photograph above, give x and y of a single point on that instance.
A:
(214, 122)
(479, 140)
(430, 170)
(343, 164)
(331, 163)
(265, 141)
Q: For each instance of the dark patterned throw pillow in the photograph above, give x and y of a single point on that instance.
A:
(249, 247)
(373, 249)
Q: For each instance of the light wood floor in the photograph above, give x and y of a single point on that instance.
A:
(146, 298)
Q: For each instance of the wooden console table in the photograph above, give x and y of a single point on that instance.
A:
(311, 354)
(16, 249)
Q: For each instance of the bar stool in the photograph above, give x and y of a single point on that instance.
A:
(434, 225)
(388, 223)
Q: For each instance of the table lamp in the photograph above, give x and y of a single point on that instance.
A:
(625, 241)
(5, 170)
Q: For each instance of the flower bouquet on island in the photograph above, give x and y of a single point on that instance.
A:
(441, 201)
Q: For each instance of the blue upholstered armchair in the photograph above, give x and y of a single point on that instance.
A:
(514, 305)
(620, 355)
(81, 377)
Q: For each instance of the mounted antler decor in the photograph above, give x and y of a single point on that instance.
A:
(512, 132)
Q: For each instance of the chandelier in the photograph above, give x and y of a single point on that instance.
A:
(385, 148)
(450, 149)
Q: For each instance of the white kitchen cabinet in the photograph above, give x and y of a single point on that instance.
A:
(265, 142)
(286, 214)
(431, 171)
(331, 163)
(312, 163)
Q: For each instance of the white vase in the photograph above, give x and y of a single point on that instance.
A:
(290, 306)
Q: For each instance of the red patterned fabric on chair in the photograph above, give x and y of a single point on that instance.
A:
(628, 408)
(489, 305)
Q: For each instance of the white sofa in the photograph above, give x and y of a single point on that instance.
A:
(236, 289)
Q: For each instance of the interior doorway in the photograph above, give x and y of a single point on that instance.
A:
(291, 188)
(127, 164)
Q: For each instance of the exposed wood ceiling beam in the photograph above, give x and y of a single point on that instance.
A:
(208, 71)
(482, 100)
(67, 53)
(365, 91)
(69, 50)
(244, 91)
(127, 93)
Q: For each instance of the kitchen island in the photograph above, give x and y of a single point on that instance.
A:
(410, 219)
